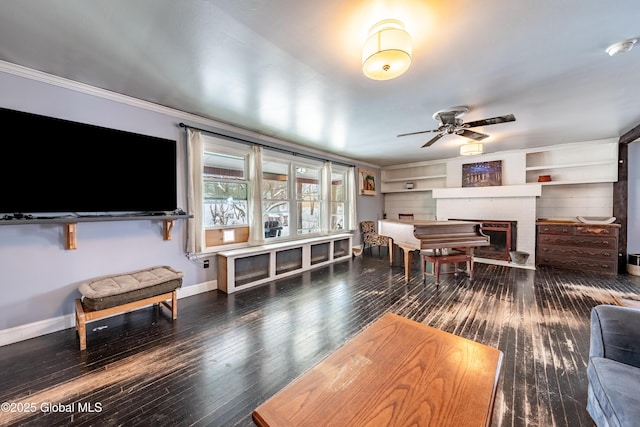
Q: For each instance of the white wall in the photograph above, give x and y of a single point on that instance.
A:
(39, 278)
(421, 204)
(570, 201)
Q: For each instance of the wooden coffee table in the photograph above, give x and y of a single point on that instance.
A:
(396, 372)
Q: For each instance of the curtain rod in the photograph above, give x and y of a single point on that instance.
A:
(247, 141)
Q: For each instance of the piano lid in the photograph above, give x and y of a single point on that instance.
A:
(425, 234)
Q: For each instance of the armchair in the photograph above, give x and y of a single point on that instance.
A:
(371, 238)
(613, 371)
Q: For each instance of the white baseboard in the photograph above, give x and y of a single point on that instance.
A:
(47, 326)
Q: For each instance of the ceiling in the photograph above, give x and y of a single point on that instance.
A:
(291, 69)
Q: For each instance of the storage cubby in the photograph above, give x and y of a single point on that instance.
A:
(583, 163)
(320, 253)
(423, 176)
(253, 266)
(341, 248)
(288, 260)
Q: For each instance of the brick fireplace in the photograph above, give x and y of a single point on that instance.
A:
(513, 204)
(502, 236)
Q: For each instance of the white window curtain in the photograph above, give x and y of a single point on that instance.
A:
(256, 228)
(195, 234)
(325, 197)
(352, 215)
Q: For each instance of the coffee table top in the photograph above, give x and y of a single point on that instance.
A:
(396, 372)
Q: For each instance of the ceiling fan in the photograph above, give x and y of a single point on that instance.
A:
(451, 123)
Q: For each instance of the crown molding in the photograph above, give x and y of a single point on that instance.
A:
(29, 73)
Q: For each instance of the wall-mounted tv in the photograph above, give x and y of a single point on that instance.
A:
(52, 166)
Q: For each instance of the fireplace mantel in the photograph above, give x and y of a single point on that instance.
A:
(506, 203)
(526, 190)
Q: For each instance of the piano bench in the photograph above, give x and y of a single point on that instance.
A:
(437, 258)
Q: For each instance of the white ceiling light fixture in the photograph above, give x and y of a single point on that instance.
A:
(621, 47)
(471, 148)
(387, 52)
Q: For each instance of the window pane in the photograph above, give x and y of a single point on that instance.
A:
(275, 195)
(309, 217)
(307, 184)
(275, 180)
(225, 203)
(337, 216)
(223, 166)
(337, 187)
(224, 190)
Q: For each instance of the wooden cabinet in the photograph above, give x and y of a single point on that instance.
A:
(578, 246)
(252, 266)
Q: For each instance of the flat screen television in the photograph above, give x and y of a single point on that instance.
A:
(53, 166)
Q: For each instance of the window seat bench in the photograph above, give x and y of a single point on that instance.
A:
(252, 266)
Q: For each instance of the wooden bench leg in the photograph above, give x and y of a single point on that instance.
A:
(174, 305)
(81, 325)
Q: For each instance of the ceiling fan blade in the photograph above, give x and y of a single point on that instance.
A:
(419, 132)
(491, 121)
(434, 139)
(477, 136)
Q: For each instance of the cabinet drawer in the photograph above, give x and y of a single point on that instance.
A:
(556, 229)
(603, 266)
(596, 231)
(580, 241)
(552, 252)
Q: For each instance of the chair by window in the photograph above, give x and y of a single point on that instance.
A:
(272, 229)
(405, 216)
(371, 238)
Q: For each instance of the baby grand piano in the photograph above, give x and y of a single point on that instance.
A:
(412, 235)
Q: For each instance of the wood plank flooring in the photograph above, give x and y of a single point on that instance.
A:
(226, 354)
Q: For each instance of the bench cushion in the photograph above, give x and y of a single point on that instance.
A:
(110, 291)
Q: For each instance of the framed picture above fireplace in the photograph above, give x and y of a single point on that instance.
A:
(482, 174)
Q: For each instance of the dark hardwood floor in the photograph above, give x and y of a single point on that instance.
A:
(226, 354)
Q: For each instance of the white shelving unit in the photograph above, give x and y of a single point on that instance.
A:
(247, 267)
(574, 164)
(414, 177)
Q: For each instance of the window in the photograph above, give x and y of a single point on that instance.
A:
(275, 198)
(224, 190)
(293, 196)
(308, 203)
(338, 198)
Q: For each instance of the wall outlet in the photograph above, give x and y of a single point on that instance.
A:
(206, 263)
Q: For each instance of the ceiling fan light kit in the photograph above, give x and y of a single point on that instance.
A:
(621, 47)
(387, 52)
(471, 148)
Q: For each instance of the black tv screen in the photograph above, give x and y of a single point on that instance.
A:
(53, 165)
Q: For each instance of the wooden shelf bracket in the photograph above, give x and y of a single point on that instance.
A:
(71, 237)
(167, 225)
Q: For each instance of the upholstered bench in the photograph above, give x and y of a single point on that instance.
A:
(114, 294)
